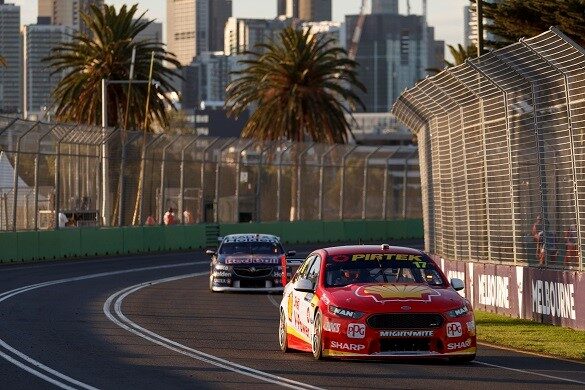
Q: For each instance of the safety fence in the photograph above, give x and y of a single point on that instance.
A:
(54, 176)
(502, 153)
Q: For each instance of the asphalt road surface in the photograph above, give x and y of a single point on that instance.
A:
(150, 323)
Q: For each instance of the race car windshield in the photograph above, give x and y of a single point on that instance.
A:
(251, 247)
(351, 269)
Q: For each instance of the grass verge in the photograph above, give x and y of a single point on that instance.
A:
(530, 336)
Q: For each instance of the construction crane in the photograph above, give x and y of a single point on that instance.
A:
(357, 31)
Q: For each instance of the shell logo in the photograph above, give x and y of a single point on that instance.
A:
(393, 292)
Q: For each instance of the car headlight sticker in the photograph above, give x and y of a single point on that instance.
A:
(338, 311)
(459, 312)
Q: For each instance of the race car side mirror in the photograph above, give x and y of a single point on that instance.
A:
(304, 285)
(457, 284)
(210, 252)
(291, 253)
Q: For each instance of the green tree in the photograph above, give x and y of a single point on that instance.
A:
(460, 54)
(301, 86)
(105, 52)
(514, 19)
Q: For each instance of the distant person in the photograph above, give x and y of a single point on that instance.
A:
(63, 220)
(571, 253)
(149, 221)
(538, 236)
(188, 217)
(169, 218)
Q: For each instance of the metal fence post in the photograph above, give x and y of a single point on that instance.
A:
(163, 177)
(217, 177)
(342, 184)
(299, 168)
(203, 165)
(321, 178)
(238, 171)
(36, 184)
(181, 207)
(143, 169)
(58, 176)
(258, 201)
(405, 182)
(365, 188)
(279, 181)
(16, 174)
(386, 181)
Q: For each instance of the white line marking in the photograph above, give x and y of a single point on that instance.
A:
(530, 372)
(131, 326)
(273, 301)
(34, 367)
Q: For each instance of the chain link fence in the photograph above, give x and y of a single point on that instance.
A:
(502, 151)
(52, 176)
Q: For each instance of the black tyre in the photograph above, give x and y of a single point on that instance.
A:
(211, 279)
(282, 335)
(317, 341)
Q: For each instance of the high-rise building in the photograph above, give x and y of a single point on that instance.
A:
(66, 12)
(196, 26)
(335, 30)
(394, 53)
(384, 6)
(308, 10)
(467, 26)
(153, 32)
(243, 34)
(315, 10)
(10, 76)
(39, 80)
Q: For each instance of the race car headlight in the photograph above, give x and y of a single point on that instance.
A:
(338, 311)
(223, 267)
(459, 312)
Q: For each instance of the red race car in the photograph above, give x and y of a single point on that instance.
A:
(371, 301)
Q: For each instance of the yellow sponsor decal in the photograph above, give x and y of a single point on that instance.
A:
(392, 292)
(386, 256)
(290, 306)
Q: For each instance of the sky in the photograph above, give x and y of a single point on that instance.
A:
(445, 15)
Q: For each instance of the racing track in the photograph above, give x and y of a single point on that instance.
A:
(151, 323)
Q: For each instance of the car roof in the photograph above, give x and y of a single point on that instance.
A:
(251, 237)
(382, 248)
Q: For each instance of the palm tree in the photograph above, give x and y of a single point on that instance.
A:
(105, 52)
(460, 54)
(301, 87)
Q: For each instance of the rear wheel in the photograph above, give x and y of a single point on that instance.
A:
(211, 279)
(461, 359)
(317, 342)
(282, 335)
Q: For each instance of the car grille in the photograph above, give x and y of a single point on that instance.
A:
(405, 321)
(253, 272)
(405, 345)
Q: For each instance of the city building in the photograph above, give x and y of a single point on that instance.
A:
(308, 10)
(467, 35)
(10, 50)
(472, 32)
(243, 34)
(335, 30)
(206, 77)
(39, 80)
(379, 128)
(211, 120)
(154, 32)
(394, 53)
(384, 6)
(66, 12)
(196, 26)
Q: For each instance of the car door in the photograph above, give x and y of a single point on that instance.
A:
(305, 303)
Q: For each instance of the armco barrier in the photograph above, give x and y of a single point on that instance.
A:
(89, 242)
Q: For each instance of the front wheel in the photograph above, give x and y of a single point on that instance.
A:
(282, 335)
(317, 342)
